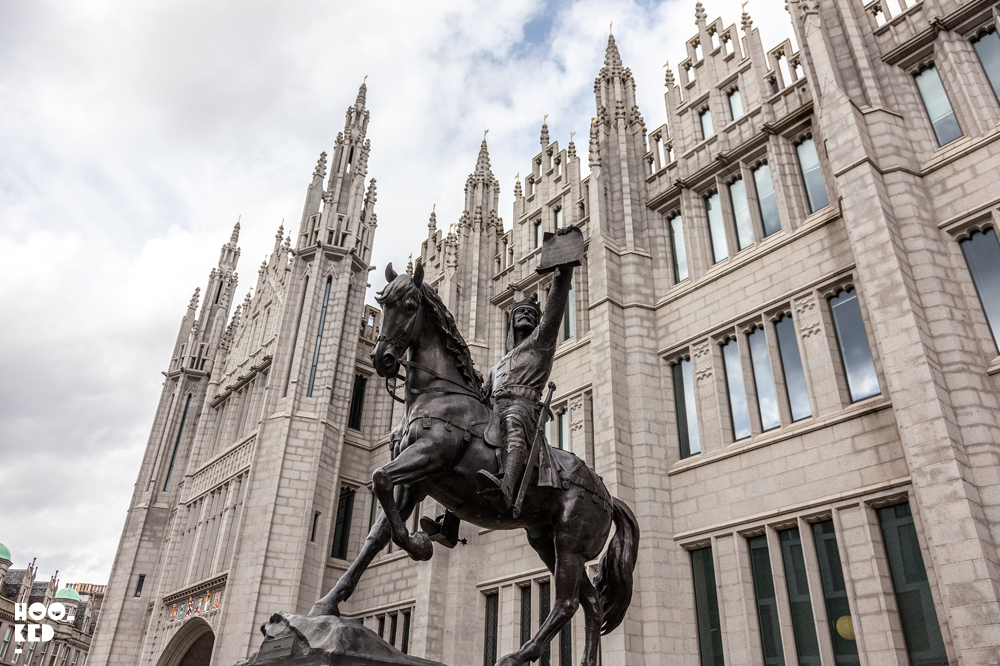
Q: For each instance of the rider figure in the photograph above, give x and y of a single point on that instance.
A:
(515, 384)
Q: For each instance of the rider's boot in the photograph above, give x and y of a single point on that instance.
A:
(513, 466)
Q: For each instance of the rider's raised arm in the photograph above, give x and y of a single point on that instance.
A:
(555, 306)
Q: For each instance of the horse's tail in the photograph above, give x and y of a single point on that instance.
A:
(614, 573)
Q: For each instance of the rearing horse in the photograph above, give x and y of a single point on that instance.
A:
(442, 448)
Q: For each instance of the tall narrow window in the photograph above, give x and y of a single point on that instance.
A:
(767, 602)
(706, 124)
(564, 430)
(490, 639)
(766, 200)
(381, 626)
(812, 174)
(677, 250)
(800, 606)
(319, 337)
(854, 350)
(566, 645)
(525, 614)
(716, 227)
(543, 612)
(569, 325)
(404, 642)
(177, 443)
(838, 611)
(982, 252)
(767, 397)
(312, 532)
(295, 338)
(791, 366)
(539, 236)
(393, 624)
(735, 103)
(558, 214)
(31, 650)
(6, 641)
(685, 409)
(373, 513)
(938, 107)
(138, 585)
(738, 412)
(988, 49)
(357, 402)
(913, 593)
(706, 606)
(342, 528)
(741, 213)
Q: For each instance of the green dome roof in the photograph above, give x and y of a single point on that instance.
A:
(68, 593)
(5, 553)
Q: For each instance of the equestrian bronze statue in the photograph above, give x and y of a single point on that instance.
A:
(450, 448)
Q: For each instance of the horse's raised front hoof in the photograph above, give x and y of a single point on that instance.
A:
(421, 547)
(321, 608)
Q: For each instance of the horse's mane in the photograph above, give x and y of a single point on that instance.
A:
(453, 341)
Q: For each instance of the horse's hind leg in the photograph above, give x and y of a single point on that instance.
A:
(377, 539)
(593, 618)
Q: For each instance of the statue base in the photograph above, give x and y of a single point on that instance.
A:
(300, 640)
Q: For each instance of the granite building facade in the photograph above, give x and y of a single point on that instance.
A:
(781, 351)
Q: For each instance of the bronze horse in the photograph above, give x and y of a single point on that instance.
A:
(443, 447)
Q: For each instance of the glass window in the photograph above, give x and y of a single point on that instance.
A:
(838, 612)
(566, 645)
(767, 397)
(342, 528)
(559, 218)
(938, 107)
(525, 614)
(988, 49)
(569, 316)
(706, 606)
(854, 350)
(741, 213)
(564, 430)
(404, 643)
(767, 602)
(812, 174)
(791, 365)
(797, 584)
(373, 515)
(706, 124)
(6, 641)
(138, 585)
(738, 413)
(766, 200)
(393, 623)
(357, 402)
(982, 252)
(677, 250)
(717, 228)
(685, 409)
(736, 104)
(492, 619)
(544, 592)
(319, 337)
(381, 626)
(538, 233)
(913, 593)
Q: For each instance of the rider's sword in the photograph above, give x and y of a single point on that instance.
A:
(533, 456)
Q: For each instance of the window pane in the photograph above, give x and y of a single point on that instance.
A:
(803, 626)
(938, 107)
(838, 611)
(677, 249)
(569, 317)
(404, 643)
(566, 645)
(767, 398)
(492, 617)
(766, 199)
(685, 410)
(736, 104)
(720, 250)
(525, 614)
(706, 606)
(543, 612)
(982, 252)
(854, 350)
(988, 50)
(538, 233)
(767, 602)
(913, 593)
(791, 364)
(357, 402)
(812, 174)
(564, 430)
(342, 528)
(741, 213)
(558, 216)
(706, 124)
(737, 394)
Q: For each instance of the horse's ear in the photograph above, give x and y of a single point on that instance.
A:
(418, 274)
(390, 274)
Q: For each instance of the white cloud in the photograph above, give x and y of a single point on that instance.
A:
(135, 134)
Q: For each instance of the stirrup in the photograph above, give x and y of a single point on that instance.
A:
(429, 526)
(487, 482)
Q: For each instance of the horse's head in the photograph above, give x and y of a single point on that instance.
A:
(402, 316)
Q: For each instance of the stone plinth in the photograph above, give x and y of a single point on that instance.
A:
(300, 640)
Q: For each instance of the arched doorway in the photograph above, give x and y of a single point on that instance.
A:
(191, 645)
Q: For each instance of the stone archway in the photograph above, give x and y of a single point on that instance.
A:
(191, 645)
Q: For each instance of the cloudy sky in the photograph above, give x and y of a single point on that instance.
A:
(133, 135)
